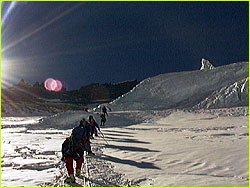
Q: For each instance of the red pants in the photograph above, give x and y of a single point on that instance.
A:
(69, 164)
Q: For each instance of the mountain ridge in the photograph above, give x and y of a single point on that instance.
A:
(180, 89)
(25, 98)
(218, 87)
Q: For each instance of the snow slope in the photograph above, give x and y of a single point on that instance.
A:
(172, 148)
(236, 94)
(186, 89)
(183, 149)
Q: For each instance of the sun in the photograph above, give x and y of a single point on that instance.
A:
(4, 71)
(8, 73)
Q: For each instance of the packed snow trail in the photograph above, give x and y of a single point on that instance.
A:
(96, 172)
(27, 155)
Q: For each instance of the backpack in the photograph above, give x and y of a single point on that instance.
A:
(67, 149)
(71, 148)
(78, 140)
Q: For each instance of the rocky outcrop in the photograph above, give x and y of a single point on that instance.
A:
(206, 65)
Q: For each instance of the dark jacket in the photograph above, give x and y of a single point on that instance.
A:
(104, 109)
(75, 145)
(66, 148)
(80, 136)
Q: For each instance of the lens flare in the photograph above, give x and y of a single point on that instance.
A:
(58, 85)
(53, 85)
(9, 10)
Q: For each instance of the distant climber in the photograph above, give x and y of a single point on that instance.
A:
(104, 110)
(103, 120)
(94, 127)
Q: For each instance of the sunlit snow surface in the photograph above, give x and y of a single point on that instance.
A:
(29, 157)
(10, 121)
(172, 148)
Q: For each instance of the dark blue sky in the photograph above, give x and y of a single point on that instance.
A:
(81, 43)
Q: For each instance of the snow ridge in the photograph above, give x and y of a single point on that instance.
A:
(229, 96)
(183, 89)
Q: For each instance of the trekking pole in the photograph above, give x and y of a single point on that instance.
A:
(103, 136)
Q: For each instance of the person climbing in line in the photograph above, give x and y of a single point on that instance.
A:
(68, 155)
(94, 126)
(103, 120)
(104, 111)
(83, 131)
(73, 149)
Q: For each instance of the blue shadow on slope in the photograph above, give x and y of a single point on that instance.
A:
(142, 164)
(130, 148)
